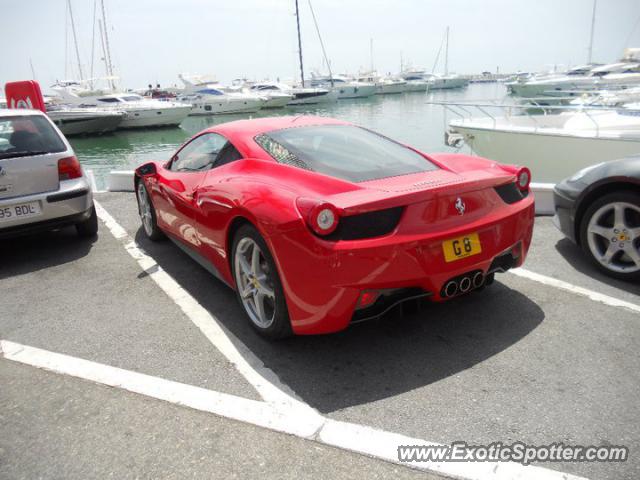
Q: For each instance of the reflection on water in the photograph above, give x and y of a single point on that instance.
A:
(405, 117)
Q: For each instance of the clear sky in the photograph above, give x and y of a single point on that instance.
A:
(154, 40)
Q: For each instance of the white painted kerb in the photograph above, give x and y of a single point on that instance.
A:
(120, 181)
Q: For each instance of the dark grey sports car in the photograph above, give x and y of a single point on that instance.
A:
(599, 209)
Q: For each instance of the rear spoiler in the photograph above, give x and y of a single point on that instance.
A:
(377, 198)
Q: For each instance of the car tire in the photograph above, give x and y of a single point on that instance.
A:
(623, 237)
(255, 280)
(89, 227)
(147, 213)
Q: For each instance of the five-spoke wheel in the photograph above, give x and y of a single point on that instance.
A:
(148, 213)
(258, 285)
(610, 234)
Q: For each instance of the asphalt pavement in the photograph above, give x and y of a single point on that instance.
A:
(519, 361)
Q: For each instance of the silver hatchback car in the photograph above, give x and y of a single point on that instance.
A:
(42, 185)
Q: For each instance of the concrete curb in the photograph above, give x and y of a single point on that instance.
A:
(122, 181)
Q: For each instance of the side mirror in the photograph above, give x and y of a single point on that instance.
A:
(147, 169)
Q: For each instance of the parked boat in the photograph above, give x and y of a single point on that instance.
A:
(568, 141)
(273, 98)
(620, 75)
(391, 85)
(139, 112)
(301, 96)
(446, 81)
(210, 98)
(344, 87)
(384, 85)
(85, 121)
(608, 98)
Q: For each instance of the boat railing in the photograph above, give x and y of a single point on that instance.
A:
(466, 110)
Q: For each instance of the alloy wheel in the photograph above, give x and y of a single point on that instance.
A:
(613, 236)
(145, 209)
(254, 283)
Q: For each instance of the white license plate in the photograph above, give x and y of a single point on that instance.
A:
(20, 210)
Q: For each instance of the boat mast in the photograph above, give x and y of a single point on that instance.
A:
(593, 25)
(446, 53)
(324, 52)
(105, 46)
(371, 53)
(299, 44)
(93, 44)
(104, 51)
(75, 39)
(66, 41)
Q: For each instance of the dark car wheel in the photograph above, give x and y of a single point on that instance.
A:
(89, 227)
(258, 286)
(610, 234)
(148, 214)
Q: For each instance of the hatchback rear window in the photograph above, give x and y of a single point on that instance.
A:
(343, 151)
(22, 136)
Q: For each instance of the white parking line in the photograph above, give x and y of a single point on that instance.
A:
(357, 438)
(348, 436)
(584, 292)
(258, 413)
(262, 379)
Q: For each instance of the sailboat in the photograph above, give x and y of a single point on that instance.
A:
(303, 95)
(446, 81)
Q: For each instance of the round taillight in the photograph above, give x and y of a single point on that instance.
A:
(324, 219)
(523, 179)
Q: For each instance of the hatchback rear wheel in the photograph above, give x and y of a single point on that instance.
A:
(89, 227)
(258, 286)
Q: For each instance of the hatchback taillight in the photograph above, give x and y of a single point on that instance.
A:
(68, 168)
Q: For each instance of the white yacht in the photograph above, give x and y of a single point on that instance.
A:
(416, 85)
(445, 82)
(620, 75)
(85, 121)
(552, 146)
(608, 98)
(301, 96)
(210, 98)
(139, 112)
(344, 86)
(416, 80)
(272, 98)
(384, 85)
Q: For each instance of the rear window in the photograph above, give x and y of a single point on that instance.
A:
(343, 151)
(22, 136)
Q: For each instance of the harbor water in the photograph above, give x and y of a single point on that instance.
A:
(406, 117)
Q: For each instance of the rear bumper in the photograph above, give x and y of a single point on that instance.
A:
(323, 281)
(44, 226)
(70, 204)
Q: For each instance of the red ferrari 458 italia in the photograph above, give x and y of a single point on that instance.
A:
(317, 223)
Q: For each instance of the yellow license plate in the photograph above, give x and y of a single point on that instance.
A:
(461, 247)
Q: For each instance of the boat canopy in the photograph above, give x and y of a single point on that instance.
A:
(210, 91)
